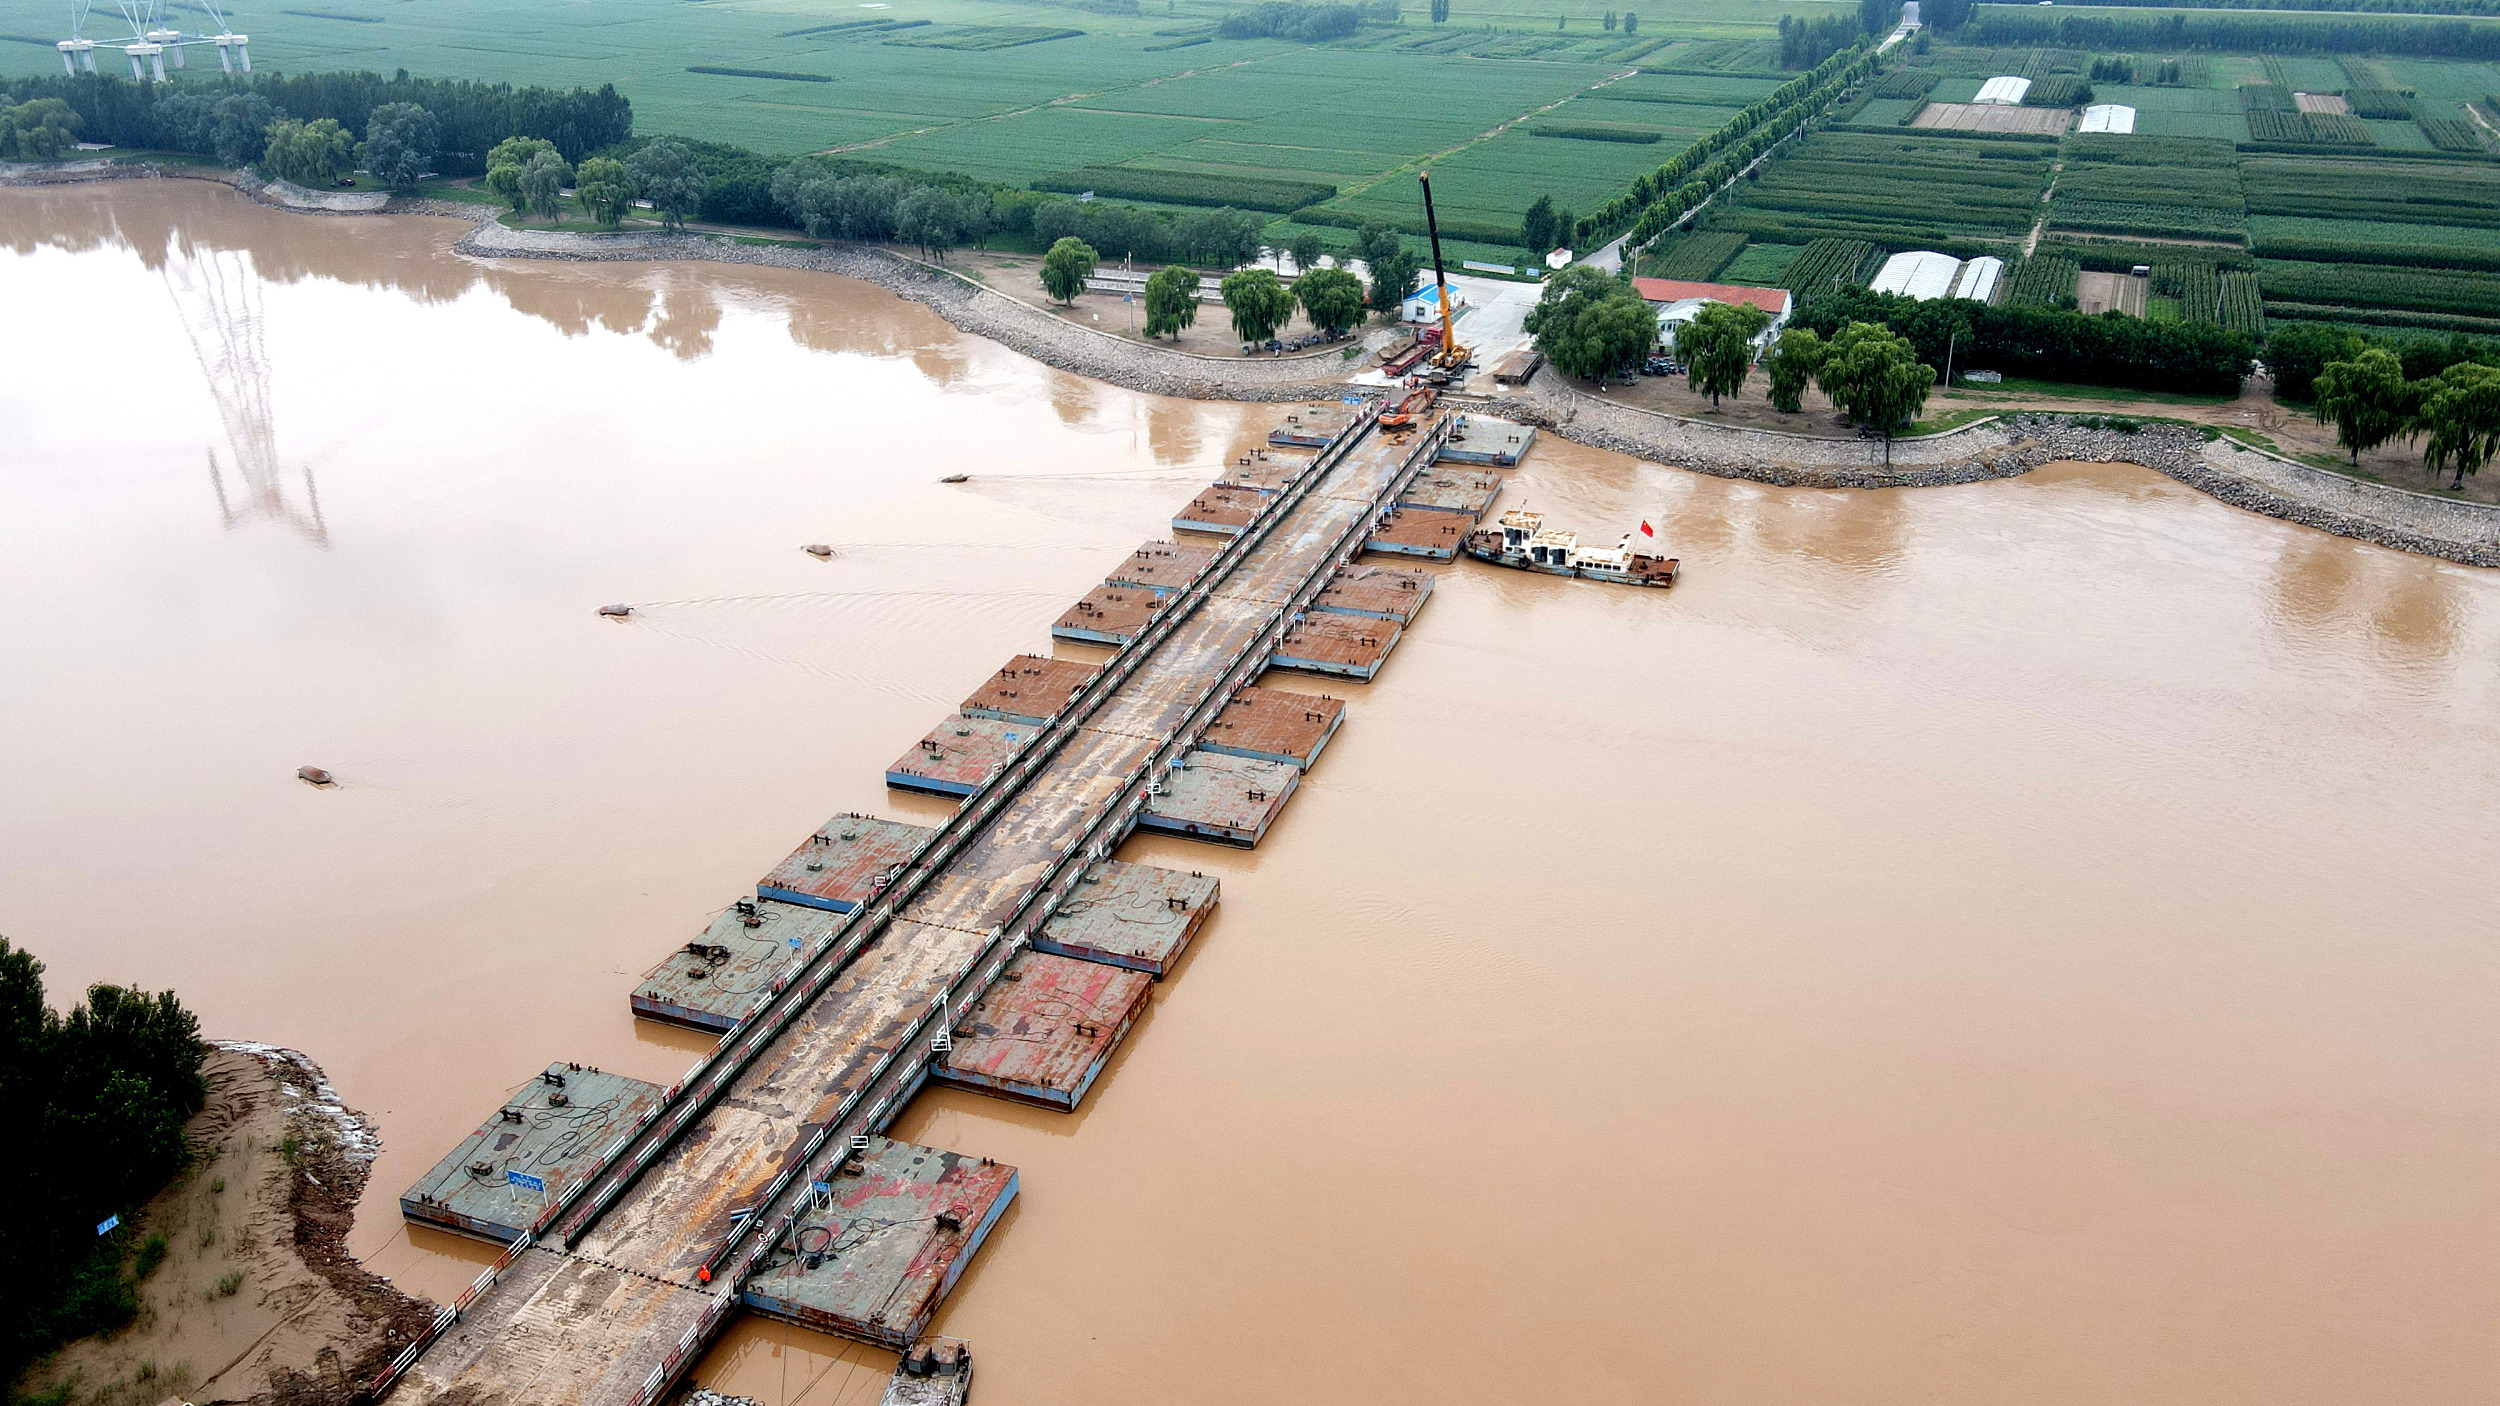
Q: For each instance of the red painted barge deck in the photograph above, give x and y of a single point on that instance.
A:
(1108, 614)
(1162, 567)
(1382, 592)
(1220, 511)
(846, 861)
(1043, 1031)
(1275, 725)
(1031, 688)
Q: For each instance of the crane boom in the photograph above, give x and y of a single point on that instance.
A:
(1450, 355)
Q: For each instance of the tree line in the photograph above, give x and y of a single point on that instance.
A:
(2008, 26)
(468, 117)
(2444, 395)
(1333, 298)
(1660, 198)
(1594, 324)
(95, 1102)
(1305, 23)
(2052, 344)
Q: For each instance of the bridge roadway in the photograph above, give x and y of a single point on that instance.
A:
(624, 1288)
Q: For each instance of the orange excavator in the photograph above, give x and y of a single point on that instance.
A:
(1411, 411)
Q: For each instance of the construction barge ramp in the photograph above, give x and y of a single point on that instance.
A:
(761, 1181)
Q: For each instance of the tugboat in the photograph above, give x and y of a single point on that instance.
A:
(1524, 543)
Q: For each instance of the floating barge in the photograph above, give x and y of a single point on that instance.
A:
(1262, 472)
(1342, 646)
(1136, 916)
(957, 756)
(1469, 492)
(1381, 592)
(1275, 725)
(1312, 426)
(883, 1242)
(1108, 614)
(540, 1145)
(1162, 567)
(1221, 511)
(712, 982)
(1481, 439)
(1420, 532)
(1210, 796)
(1521, 542)
(850, 857)
(1030, 689)
(1043, 1031)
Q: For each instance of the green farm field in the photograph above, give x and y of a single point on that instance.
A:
(2393, 231)
(1017, 91)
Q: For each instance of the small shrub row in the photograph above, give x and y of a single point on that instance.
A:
(1189, 188)
(1829, 263)
(1597, 132)
(1699, 257)
(2387, 104)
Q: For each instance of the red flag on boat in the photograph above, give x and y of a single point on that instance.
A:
(1646, 529)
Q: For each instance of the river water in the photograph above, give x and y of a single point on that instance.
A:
(2029, 941)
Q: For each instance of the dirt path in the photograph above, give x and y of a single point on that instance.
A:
(257, 1299)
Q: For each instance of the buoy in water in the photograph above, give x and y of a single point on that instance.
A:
(817, 549)
(956, 478)
(616, 612)
(315, 775)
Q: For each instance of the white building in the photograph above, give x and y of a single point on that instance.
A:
(1424, 304)
(2003, 92)
(1925, 274)
(2107, 117)
(1678, 301)
(1978, 280)
(1918, 273)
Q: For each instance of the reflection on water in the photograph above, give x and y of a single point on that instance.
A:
(216, 292)
(1948, 942)
(688, 318)
(2327, 583)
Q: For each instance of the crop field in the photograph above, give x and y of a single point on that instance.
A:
(1886, 186)
(1762, 265)
(1697, 258)
(2041, 281)
(1487, 184)
(1974, 117)
(2174, 188)
(1830, 263)
(1022, 91)
(2236, 187)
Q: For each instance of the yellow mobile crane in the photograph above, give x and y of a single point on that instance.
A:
(1449, 358)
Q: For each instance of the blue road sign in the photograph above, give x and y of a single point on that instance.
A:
(526, 1182)
(107, 1227)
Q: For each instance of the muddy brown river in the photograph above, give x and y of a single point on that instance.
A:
(2024, 942)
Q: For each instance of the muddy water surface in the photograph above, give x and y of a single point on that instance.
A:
(2021, 942)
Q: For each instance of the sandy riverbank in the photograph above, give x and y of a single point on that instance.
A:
(257, 1299)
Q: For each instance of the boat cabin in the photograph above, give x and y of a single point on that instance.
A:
(1554, 549)
(1518, 525)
